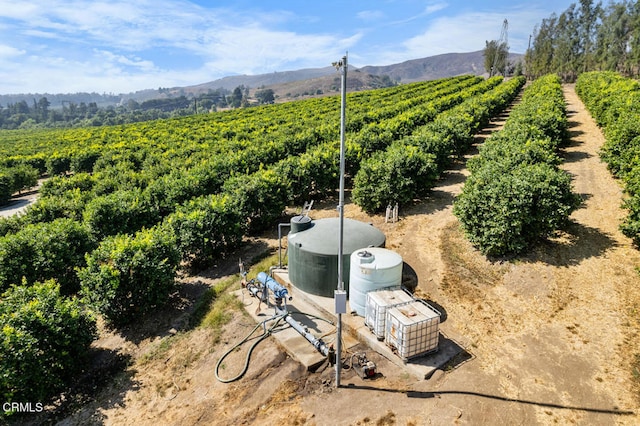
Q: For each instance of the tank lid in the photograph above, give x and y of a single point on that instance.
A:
(383, 258)
(365, 256)
(300, 219)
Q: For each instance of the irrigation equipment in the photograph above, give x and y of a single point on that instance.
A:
(269, 291)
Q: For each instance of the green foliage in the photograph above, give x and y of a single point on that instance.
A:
(516, 195)
(15, 179)
(43, 251)
(128, 276)
(58, 164)
(505, 208)
(58, 186)
(122, 212)
(44, 341)
(206, 227)
(614, 102)
(70, 205)
(311, 174)
(587, 36)
(23, 177)
(11, 224)
(83, 161)
(6, 187)
(410, 167)
(396, 175)
(260, 198)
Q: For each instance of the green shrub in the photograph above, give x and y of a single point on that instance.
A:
(128, 276)
(313, 173)
(122, 212)
(516, 195)
(410, 167)
(206, 227)
(44, 341)
(48, 208)
(505, 209)
(6, 187)
(396, 175)
(43, 251)
(58, 186)
(260, 198)
(83, 161)
(58, 164)
(11, 224)
(23, 177)
(614, 102)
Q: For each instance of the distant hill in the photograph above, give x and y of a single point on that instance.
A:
(433, 67)
(294, 84)
(231, 82)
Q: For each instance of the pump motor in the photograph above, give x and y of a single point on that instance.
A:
(365, 368)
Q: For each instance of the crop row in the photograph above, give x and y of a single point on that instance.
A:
(126, 195)
(516, 194)
(139, 155)
(614, 102)
(205, 135)
(410, 166)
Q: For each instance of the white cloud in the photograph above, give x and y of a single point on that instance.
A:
(435, 7)
(9, 51)
(370, 15)
(122, 45)
(256, 49)
(465, 33)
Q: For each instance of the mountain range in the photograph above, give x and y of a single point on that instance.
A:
(294, 84)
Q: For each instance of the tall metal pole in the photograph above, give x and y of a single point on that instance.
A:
(342, 66)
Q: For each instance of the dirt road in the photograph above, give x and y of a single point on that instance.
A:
(549, 337)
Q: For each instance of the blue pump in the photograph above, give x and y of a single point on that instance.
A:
(279, 292)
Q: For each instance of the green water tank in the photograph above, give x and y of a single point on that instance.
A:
(313, 253)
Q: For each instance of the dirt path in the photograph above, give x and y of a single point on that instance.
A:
(18, 204)
(550, 337)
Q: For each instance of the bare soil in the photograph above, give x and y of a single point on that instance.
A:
(549, 338)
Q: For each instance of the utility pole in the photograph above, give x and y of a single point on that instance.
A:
(340, 295)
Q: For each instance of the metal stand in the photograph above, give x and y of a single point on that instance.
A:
(342, 67)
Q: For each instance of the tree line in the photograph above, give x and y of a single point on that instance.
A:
(39, 113)
(587, 37)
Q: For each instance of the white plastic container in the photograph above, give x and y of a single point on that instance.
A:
(412, 329)
(370, 269)
(376, 308)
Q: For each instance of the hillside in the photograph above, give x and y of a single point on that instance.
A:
(326, 79)
(290, 84)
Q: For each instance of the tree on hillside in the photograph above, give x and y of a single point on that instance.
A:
(236, 97)
(265, 96)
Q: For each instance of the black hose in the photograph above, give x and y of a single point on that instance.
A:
(263, 336)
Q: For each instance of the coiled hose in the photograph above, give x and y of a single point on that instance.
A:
(267, 333)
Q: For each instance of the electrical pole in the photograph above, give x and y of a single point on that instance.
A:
(340, 294)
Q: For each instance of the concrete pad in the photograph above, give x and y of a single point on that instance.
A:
(317, 322)
(307, 309)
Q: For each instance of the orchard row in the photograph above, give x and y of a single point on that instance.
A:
(614, 102)
(516, 194)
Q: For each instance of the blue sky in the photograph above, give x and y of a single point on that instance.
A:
(119, 46)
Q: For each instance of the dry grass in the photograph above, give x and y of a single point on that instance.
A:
(466, 273)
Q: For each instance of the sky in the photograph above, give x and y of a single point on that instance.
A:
(121, 46)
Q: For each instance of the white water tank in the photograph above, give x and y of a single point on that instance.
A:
(372, 268)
